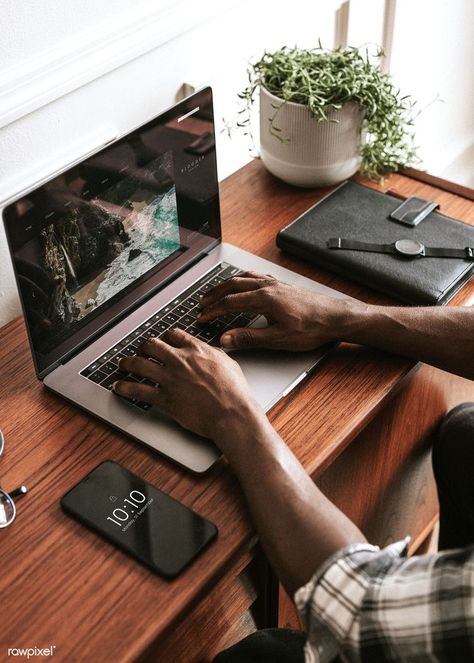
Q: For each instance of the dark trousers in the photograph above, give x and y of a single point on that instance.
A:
(453, 466)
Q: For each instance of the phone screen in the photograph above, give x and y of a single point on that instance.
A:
(139, 518)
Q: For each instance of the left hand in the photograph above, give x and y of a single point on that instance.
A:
(200, 387)
(298, 319)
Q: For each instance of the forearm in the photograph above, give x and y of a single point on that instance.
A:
(441, 336)
(298, 527)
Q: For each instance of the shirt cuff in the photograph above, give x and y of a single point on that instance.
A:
(329, 602)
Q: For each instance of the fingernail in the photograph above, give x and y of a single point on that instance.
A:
(227, 341)
(114, 385)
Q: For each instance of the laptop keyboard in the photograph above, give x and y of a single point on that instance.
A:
(181, 313)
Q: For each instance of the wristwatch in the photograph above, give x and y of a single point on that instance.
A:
(410, 248)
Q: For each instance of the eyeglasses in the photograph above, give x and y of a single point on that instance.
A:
(7, 504)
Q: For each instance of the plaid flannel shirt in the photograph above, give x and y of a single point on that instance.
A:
(372, 605)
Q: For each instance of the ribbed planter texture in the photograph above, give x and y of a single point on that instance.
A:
(316, 153)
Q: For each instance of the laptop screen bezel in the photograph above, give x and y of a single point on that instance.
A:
(145, 288)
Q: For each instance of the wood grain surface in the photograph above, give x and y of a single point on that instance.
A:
(62, 585)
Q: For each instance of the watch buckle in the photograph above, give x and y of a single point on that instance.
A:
(334, 243)
(469, 250)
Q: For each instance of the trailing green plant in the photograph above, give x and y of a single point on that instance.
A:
(326, 79)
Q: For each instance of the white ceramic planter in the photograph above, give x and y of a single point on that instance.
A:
(317, 153)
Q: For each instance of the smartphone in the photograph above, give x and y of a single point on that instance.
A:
(138, 518)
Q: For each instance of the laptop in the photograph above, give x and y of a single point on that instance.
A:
(119, 248)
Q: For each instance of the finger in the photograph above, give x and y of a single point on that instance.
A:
(233, 303)
(158, 350)
(178, 338)
(248, 338)
(252, 275)
(235, 284)
(142, 367)
(137, 391)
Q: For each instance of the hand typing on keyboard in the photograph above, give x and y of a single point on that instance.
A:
(298, 319)
(200, 387)
(180, 313)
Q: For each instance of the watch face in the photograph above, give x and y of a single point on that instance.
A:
(409, 247)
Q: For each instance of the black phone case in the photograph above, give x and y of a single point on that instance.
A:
(168, 573)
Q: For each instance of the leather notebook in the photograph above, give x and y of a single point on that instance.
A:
(356, 212)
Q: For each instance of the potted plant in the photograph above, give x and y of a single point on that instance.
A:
(324, 114)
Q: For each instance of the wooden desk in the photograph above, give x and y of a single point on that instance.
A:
(62, 585)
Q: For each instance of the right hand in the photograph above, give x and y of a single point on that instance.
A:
(298, 319)
(199, 386)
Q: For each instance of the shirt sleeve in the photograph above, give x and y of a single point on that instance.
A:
(370, 605)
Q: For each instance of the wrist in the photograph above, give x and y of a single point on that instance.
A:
(346, 320)
(237, 427)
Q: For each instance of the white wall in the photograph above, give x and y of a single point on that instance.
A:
(74, 74)
(433, 57)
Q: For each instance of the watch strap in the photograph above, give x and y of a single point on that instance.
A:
(430, 251)
(355, 245)
(439, 252)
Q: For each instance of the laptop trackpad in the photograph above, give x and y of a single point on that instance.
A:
(270, 372)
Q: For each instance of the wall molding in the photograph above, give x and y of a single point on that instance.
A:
(56, 162)
(388, 33)
(97, 51)
(341, 24)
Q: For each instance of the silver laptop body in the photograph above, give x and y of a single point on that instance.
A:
(100, 248)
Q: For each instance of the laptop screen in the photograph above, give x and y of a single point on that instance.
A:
(95, 240)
